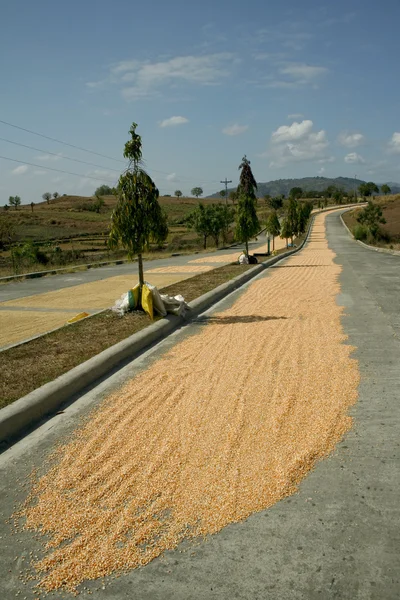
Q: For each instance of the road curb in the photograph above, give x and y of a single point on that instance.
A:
(382, 250)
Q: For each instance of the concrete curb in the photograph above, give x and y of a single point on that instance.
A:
(382, 250)
(30, 409)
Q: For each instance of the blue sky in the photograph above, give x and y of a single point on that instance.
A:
(303, 88)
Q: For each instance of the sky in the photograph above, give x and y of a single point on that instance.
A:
(304, 89)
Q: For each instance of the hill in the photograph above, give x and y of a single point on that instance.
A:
(317, 184)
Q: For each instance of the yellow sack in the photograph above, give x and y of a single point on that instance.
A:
(133, 297)
(147, 301)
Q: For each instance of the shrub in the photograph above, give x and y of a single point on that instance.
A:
(361, 232)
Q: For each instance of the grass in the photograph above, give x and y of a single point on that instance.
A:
(71, 345)
(390, 206)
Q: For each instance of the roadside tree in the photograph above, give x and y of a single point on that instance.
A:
(247, 223)
(286, 230)
(137, 219)
(200, 220)
(273, 227)
(371, 217)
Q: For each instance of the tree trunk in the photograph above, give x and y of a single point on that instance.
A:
(205, 242)
(247, 248)
(273, 243)
(141, 278)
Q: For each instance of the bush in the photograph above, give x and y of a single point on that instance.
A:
(361, 232)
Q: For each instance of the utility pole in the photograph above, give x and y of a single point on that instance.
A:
(355, 189)
(226, 189)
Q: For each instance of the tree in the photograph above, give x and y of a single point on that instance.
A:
(14, 201)
(273, 227)
(55, 195)
(200, 220)
(47, 196)
(197, 191)
(286, 230)
(292, 218)
(178, 193)
(371, 216)
(138, 218)
(98, 204)
(7, 232)
(274, 203)
(233, 195)
(247, 223)
(104, 190)
(222, 193)
(367, 189)
(385, 189)
(32, 205)
(295, 192)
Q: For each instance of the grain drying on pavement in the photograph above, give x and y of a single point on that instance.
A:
(225, 424)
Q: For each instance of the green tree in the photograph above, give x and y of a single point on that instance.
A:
(385, 189)
(338, 196)
(275, 203)
(222, 193)
(371, 216)
(7, 232)
(55, 195)
(137, 218)
(197, 191)
(47, 197)
(367, 189)
(273, 227)
(178, 193)
(247, 223)
(222, 218)
(233, 196)
(200, 220)
(292, 218)
(104, 190)
(296, 192)
(98, 204)
(14, 201)
(286, 230)
(32, 205)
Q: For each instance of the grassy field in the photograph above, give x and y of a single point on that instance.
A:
(390, 206)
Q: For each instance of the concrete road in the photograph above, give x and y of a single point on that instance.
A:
(338, 537)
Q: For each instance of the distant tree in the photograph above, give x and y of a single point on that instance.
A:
(371, 216)
(55, 195)
(233, 196)
(138, 218)
(385, 189)
(221, 219)
(178, 193)
(32, 205)
(286, 230)
(222, 193)
(296, 192)
(104, 190)
(197, 191)
(200, 220)
(247, 223)
(6, 207)
(338, 196)
(329, 191)
(292, 218)
(14, 201)
(368, 189)
(273, 227)
(98, 204)
(304, 212)
(275, 203)
(7, 232)
(47, 196)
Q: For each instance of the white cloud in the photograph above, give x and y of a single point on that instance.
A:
(295, 131)
(297, 143)
(302, 72)
(321, 171)
(39, 172)
(173, 121)
(354, 159)
(171, 177)
(19, 170)
(394, 144)
(235, 129)
(295, 116)
(351, 140)
(147, 77)
(326, 159)
(49, 157)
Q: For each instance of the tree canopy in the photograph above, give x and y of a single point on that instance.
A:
(247, 223)
(197, 191)
(367, 189)
(14, 201)
(371, 216)
(273, 226)
(385, 189)
(104, 190)
(178, 193)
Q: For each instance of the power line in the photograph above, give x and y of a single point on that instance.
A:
(60, 141)
(24, 162)
(60, 156)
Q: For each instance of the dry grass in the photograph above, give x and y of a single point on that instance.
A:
(71, 345)
(193, 443)
(391, 211)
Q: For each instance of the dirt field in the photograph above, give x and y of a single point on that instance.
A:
(195, 443)
(391, 211)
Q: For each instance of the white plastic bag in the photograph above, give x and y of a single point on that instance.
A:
(157, 301)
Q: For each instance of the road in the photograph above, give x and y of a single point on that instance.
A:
(33, 306)
(338, 536)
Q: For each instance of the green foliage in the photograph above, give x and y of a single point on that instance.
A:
(296, 192)
(138, 218)
(273, 226)
(367, 189)
(233, 196)
(247, 223)
(222, 193)
(26, 255)
(104, 190)
(47, 197)
(7, 232)
(274, 203)
(178, 193)
(371, 217)
(385, 189)
(286, 230)
(211, 220)
(197, 192)
(55, 195)
(292, 217)
(360, 232)
(14, 201)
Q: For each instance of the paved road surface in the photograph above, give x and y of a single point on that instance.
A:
(337, 538)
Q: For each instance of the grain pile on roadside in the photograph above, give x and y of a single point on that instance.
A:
(227, 423)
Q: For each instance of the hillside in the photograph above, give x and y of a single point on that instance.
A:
(318, 184)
